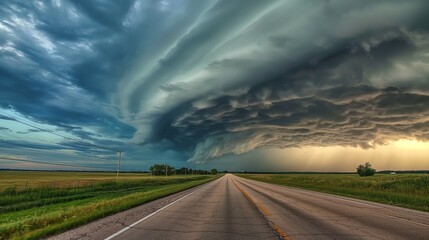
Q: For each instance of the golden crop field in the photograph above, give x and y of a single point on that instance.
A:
(21, 180)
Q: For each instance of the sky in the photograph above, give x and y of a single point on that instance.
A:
(278, 85)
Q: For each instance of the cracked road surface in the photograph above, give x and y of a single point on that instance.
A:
(235, 208)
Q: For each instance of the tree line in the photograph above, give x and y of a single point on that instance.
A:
(167, 170)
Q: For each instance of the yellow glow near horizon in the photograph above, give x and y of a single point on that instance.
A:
(410, 144)
(405, 154)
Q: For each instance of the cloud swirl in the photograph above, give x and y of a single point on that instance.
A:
(209, 78)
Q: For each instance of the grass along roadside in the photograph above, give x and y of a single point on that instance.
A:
(38, 212)
(404, 190)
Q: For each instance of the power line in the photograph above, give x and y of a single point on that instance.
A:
(47, 163)
(119, 164)
(62, 156)
(63, 136)
(46, 151)
(56, 134)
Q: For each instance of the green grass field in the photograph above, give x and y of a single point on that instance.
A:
(404, 190)
(52, 202)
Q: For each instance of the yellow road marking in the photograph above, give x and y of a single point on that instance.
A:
(263, 210)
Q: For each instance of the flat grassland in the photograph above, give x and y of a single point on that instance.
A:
(404, 190)
(37, 204)
(21, 180)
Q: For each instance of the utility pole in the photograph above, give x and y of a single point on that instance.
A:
(166, 170)
(119, 164)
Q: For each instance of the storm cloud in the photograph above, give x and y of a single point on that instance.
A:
(210, 78)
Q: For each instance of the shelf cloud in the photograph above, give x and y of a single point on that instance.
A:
(212, 78)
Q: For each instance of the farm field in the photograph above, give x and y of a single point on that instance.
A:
(21, 180)
(37, 204)
(404, 190)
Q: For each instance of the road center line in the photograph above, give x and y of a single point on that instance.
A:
(263, 210)
(150, 215)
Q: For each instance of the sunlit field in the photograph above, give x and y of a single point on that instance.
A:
(405, 190)
(56, 201)
(21, 180)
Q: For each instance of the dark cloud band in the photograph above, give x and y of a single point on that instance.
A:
(209, 78)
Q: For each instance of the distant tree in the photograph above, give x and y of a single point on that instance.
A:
(164, 169)
(365, 170)
(213, 171)
(161, 169)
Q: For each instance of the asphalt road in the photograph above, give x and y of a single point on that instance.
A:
(216, 211)
(237, 208)
(305, 214)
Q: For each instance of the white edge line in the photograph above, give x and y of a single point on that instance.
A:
(148, 216)
(378, 205)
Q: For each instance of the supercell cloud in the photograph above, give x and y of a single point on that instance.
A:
(209, 78)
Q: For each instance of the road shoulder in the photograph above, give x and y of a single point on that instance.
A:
(107, 226)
